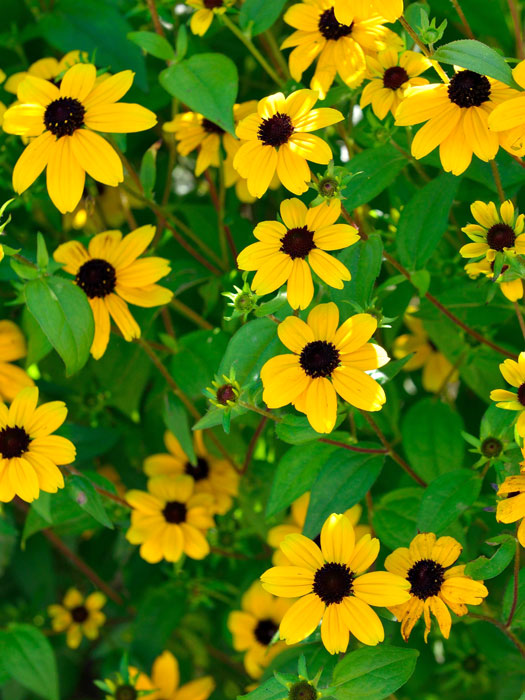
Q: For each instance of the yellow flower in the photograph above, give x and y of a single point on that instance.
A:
(170, 519)
(211, 475)
(48, 68)
(326, 361)
(110, 275)
(391, 75)
(165, 682)
(206, 10)
(78, 616)
(425, 564)
(456, 116)
(508, 119)
(514, 373)
(295, 524)
(495, 232)
(331, 584)
(254, 626)
(65, 120)
(285, 252)
(512, 508)
(437, 370)
(340, 48)
(512, 289)
(12, 347)
(29, 451)
(389, 9)
(276, 139)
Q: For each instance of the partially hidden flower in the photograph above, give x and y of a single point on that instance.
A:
(511, 285)
(78, 616)
(164, 682)
(48, 68)
(511, 507)
(206, 10)
(508, 119)
(495, 232)
(12, 347)
(514, 373)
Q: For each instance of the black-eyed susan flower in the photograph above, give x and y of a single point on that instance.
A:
(255, 625)
(286, 251)
(437, 370)
(510, 284)
(164, 682)
(12, 347)
(29, 452)
(111, 275)
(325, 361)
(64, 122)
(212, 475)
(48, 68)
(391, 74)
(295, 523)
(514, 373)
(500, 231)
(509, 118)
(277, 139)
(511, 507)
(78, 616)
(340, 48)
(456, 116)
(170, 519)
(389, 9)
(435, 585)
(331, 585)
(205, 12)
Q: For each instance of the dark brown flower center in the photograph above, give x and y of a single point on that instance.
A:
(13, 442)
(491, 447)
(469, 89)
(276, 130)
(80, 613)
(501, 236)
(265, 631)
(302, 691)
(330, 28)
(64, 116)
(174, 512)
(394, 77)
(225, 393)
(212, 4)
(319, 358)
(426, 578)
(333, 582)
(198, 471)
(210, 127)
(97, 278)
(126, 692)
(297, 242)
(521, 394)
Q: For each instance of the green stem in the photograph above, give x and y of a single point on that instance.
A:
(252, 49)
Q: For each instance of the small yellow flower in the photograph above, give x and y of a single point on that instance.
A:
(212, 475)
(514, 373)
(254, 626)
(391, 74)
(331, 585)
(78, 616)
(29, 452)
(205, 12)
(508, 119)
(325, 361)
(512, 508)
(425, 564)
(496, 231)
(389, 9)
(277, 139)
(111, 276)
(12, 347)
(170, 519)
(48, 68)
(512, 289)
(285, 252)
(164, 683)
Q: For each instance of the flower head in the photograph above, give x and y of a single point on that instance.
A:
(285, 252)
(111, 276)
(164, 682)
(500, 231)
(254, 626)
(508, 118)
(331, 585)
(325, 361)
(205, 12)
(456, 116)
(511, 286)
(12, 347)
(29, 452)
(64, 121)
(514, 373)
(434, 583)
(78, 616)
(511, 507)
(276, 139)
(389, 9)
(170, 519)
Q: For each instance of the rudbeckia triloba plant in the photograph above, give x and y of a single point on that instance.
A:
(262, 350)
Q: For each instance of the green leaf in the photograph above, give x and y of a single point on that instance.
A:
(148, 170)
(364, 262)
(477, 57)
(373, 673)
(377, 168)
(271, 689)
(84, 494)
(447, 498)
(432, 438)
(258, 15)
(176, 420)
(207, 83)
(38, 346)
(29, 659)
(194, 366)
(484, 568)
(344, 479)
(42, 256)
(519, 614)
(395, 516)
(153, 44)
(296, 430)
(424, 221)
(64, 314)
(250, 347)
